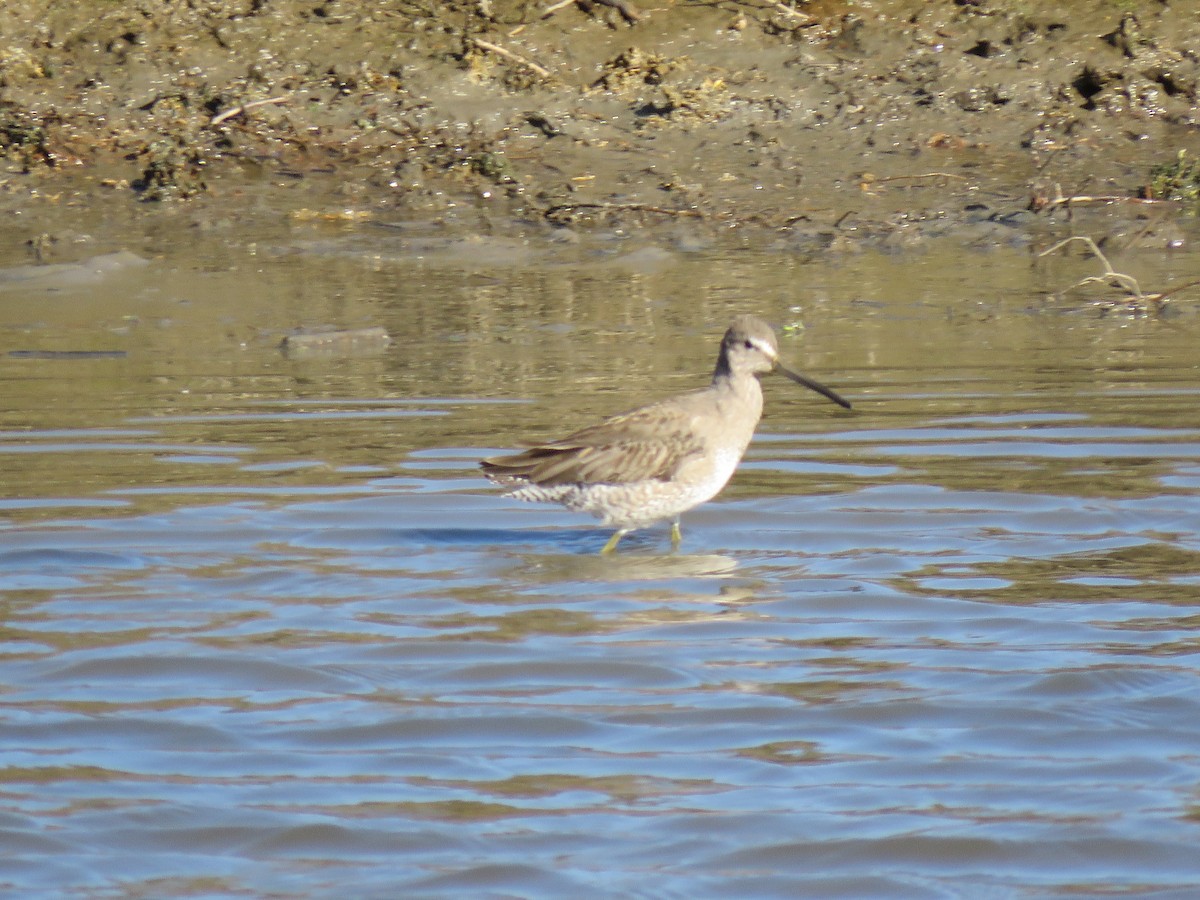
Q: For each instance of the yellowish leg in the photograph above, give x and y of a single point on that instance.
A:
(613, 541)
(676, 535)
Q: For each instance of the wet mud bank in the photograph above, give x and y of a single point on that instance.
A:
(827, 125)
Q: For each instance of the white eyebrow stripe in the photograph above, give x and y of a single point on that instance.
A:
(763, 348)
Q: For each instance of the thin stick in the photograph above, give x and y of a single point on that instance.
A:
(1110, 277)
(555, 7)
(1160, 297)
(1070, 201)
(783, 8)
(509, 55)
(245, 107)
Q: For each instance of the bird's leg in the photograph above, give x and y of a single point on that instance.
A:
(613, 541)
(676, 535)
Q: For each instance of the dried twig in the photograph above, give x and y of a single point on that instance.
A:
(1037, 203)
(1110, 277)
(245, 107)
(1137, 301)
(509, 55)
(787, 10)
(1162, 296)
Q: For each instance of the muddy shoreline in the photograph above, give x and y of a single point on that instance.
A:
(832, 125)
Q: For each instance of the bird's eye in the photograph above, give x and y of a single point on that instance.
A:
(749, 345)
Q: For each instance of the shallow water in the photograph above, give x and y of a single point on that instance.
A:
(267, 631)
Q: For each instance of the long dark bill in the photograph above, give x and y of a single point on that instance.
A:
(815, 386)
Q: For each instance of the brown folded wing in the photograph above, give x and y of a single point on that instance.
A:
(638, 446)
